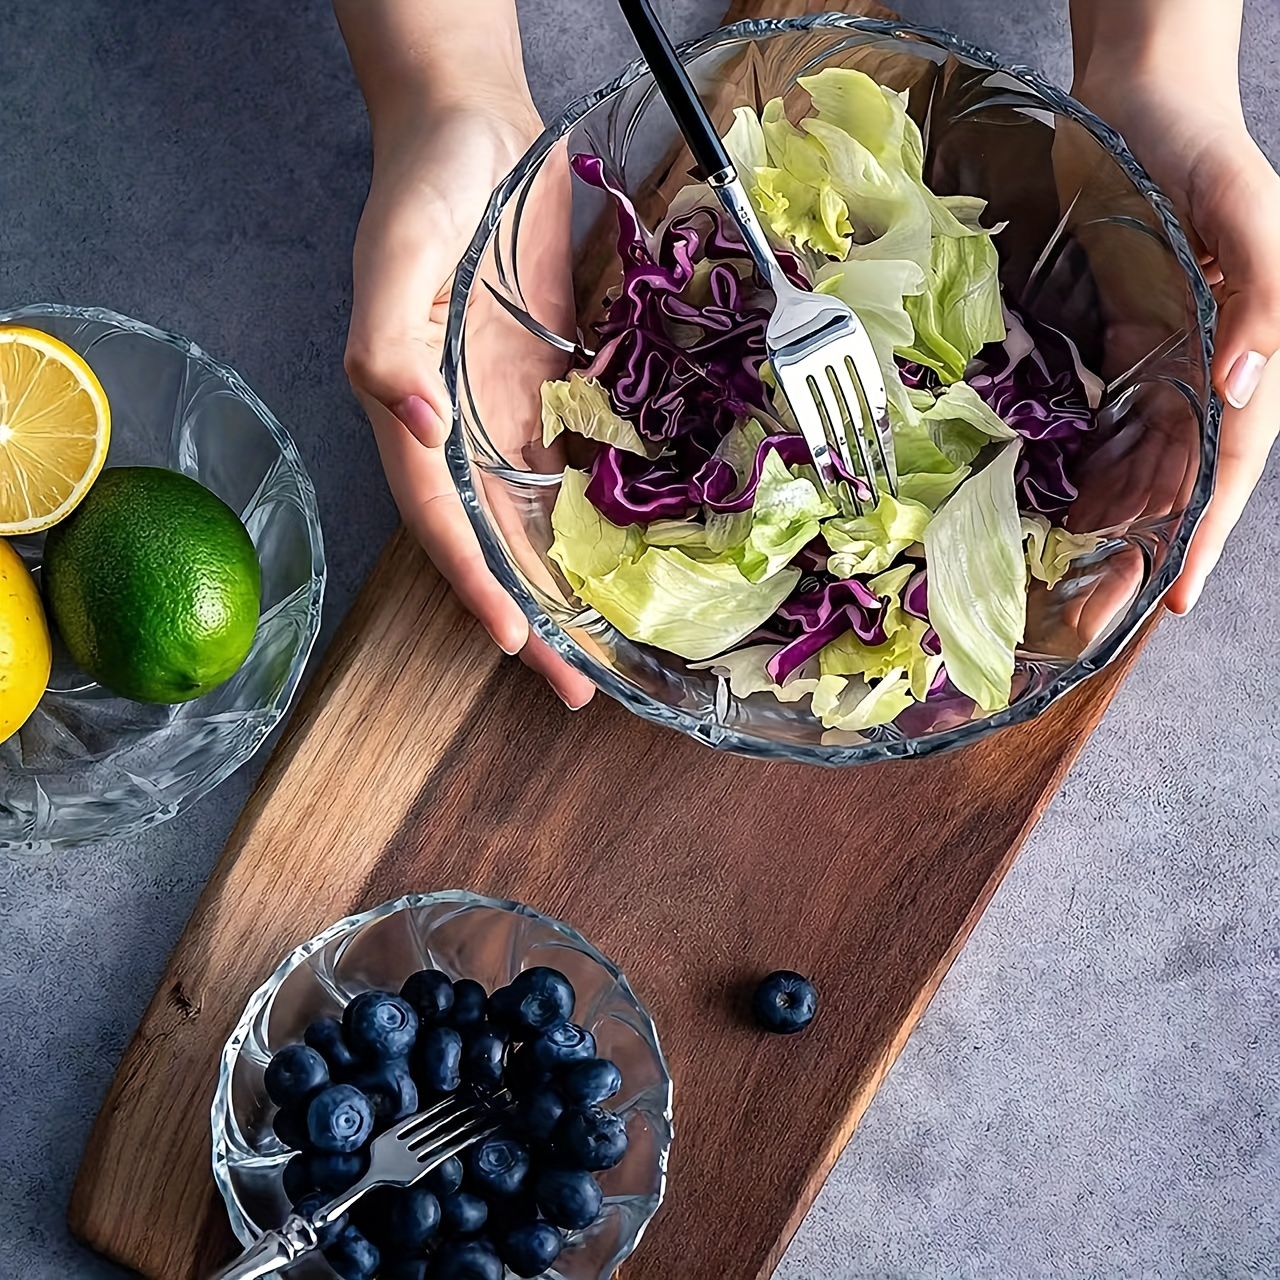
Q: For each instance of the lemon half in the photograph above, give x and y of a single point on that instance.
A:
(55, 425)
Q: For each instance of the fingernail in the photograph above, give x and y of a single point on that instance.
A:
(1244, 377)
(504, 645)
(573, 706)
(1193, 597)
(421, 419)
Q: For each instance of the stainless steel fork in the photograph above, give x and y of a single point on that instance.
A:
(819, 349)
(398, 1158)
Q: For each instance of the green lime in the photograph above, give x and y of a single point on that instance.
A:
(154, 585)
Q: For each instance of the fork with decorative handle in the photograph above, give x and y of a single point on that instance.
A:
(407, 1151)
(819, 349)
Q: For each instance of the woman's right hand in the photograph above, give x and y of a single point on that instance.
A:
(432, 177)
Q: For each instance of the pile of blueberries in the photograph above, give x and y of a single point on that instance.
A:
(514, 1196)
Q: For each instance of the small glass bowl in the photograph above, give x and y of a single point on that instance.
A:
(1091, 247)
(89, 765)
(467, 937)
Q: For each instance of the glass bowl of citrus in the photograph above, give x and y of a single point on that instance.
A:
(161, 575)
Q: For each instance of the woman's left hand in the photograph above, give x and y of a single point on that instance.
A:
(1198, 150)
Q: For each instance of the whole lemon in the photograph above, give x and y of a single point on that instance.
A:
(25, 655)
(154, 584)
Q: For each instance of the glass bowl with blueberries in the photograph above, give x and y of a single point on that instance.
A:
(430, 998)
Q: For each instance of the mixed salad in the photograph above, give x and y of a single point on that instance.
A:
(700, 526)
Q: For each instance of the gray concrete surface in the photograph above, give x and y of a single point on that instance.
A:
(1096, 1090)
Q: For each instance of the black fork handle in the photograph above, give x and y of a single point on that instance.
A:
(675, 86)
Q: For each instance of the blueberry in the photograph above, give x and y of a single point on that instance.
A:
(565, 1043)
(326, 1038)
(536, 1000)
(531, 1248)
(289, 1124)
(437, 1059)
(538, 1113)
(296, 1179)
(470, 1000)
(352, 1256)
(499, 1165)
(594, 1080)
(569, 1198)
(591, 1138)
(379, 1026)
(390, 1088)
(333, 1174)
(523, 1073)
(310, 1205)
(340, 1119)
(785, 1002)
(295, 1074)
(405, 1269)
(430, 992)
(412, 1218)
(466, 1260)
(445, 1178)
(462, 1214)
(484, 1054)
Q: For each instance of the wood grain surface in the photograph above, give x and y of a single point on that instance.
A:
(419, 760)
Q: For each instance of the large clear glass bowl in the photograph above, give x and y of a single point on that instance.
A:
(1091, 247)
(89, 765)
(466, 936)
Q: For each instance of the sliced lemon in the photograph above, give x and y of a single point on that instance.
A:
(55, 425)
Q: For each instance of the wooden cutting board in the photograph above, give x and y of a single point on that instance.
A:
(420, 760)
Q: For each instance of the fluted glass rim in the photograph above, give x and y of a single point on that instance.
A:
(736, 740)
(307, 503)
(245, 1231)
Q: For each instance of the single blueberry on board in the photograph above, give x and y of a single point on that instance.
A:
(566, 1043)
(785, 1002)
(378, 1026)
(297, 1072)
(326, 1038)
(437, 1059)
(352, 1256)
(470, 1002)
(593, 1080)
(591, 1138)
(569, 1198)
(430, 992)
(412, 1218)
(529, 1249)
(498, 1165)
(462, 1214)
(339, 1119)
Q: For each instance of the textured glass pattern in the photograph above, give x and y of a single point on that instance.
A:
(1091, 248)
(466, 937)
(89, 765)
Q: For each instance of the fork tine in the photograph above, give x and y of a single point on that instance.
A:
(824, 408)
(855, 425)
(881, 432)
(440, 1152)
(445, 1132)
(424, 1118)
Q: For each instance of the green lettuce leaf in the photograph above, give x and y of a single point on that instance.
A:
(582, 405)
(871, 543)
(586, 545)
(696, 608)
(1050, 550)
(785, 516)
(747, 673)
(978, 581)
(854, 705)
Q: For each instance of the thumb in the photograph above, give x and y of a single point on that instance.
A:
(1248, 254)
(394, 344)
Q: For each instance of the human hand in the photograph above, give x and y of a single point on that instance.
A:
(432, 178)
(1197, 148)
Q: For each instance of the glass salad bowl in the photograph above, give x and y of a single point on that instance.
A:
(89, 765)
(465, 936)
(1089, 250)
